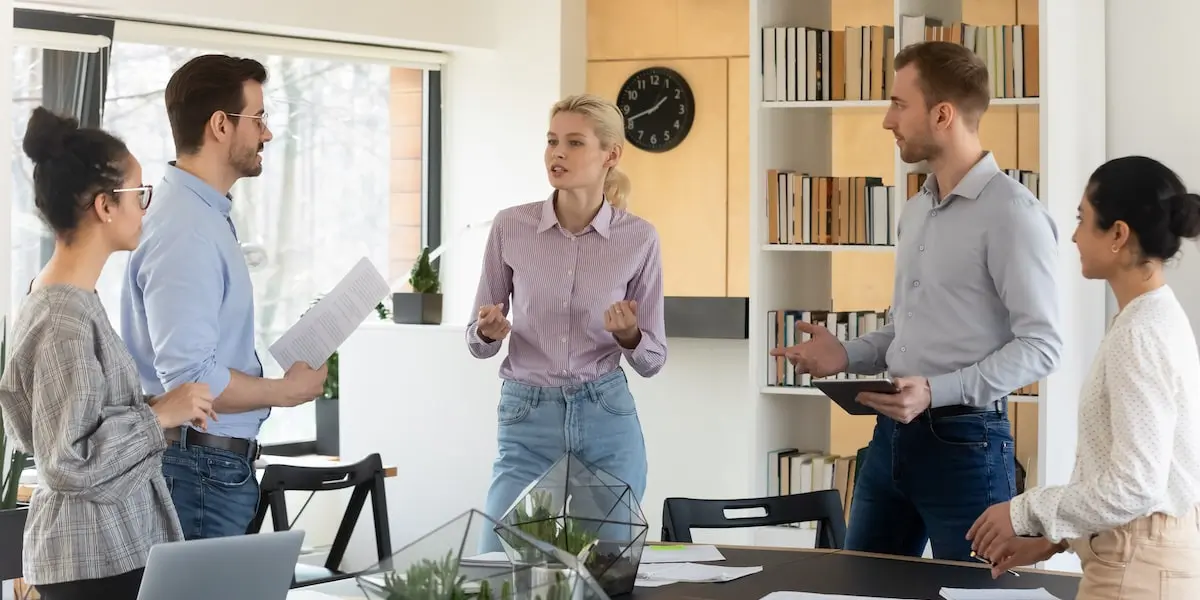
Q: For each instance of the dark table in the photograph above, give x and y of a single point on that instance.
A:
(852, 573)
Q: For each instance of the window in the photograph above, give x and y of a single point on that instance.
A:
(351, 171)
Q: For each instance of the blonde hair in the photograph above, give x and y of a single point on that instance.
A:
(609, 124)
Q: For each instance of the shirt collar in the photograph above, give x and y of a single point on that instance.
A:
(972, 183)
(206, 192)
(602, 222)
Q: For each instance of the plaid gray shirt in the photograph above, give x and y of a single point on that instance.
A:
(71, 394)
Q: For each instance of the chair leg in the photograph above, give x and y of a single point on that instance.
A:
(341, 541)
(383, 531)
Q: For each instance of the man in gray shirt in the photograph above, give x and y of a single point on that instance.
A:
(974, 317)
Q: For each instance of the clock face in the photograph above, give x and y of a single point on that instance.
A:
(659, 109)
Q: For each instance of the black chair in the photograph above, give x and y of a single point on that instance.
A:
(365, 476)
(681, 515)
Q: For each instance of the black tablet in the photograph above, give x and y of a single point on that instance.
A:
(844, 391)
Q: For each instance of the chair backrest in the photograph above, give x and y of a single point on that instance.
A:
(680, 515)
(366, 477)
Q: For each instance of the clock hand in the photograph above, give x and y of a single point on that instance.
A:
(649, 110)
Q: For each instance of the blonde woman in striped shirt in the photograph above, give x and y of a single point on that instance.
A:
(582, 278)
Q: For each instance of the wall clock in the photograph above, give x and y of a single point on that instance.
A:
(659, 109)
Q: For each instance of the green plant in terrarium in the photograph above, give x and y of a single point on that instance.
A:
(424, 276)
(540, 522)
(438, 580)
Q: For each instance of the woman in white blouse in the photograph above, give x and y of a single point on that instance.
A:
(1131, 510)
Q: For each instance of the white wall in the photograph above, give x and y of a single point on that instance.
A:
(1152, 105)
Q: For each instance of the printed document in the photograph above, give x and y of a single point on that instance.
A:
(984, 594)
(315, 337)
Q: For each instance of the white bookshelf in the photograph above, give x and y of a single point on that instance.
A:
(808, 136)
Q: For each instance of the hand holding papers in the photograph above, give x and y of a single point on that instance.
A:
(315, 337)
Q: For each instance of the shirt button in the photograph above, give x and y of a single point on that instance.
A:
(570, 271)
(921, 247)
(909, 315)
(903, 349)
(564, 340)
(916, 284)
(933, 213)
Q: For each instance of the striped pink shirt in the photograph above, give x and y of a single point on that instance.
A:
(557, 285)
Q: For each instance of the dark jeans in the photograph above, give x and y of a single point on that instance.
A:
(930, 480)
(215, 491)
(118, 587)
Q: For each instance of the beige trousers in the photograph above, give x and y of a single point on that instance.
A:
(1151, 558)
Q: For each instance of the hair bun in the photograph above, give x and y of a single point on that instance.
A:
(46, 135)
(1185, 215)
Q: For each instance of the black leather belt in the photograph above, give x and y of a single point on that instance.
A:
(1000, 407)
(248, 448)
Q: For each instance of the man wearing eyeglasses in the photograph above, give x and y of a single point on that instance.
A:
(187, 305)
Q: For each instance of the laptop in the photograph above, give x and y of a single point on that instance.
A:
(256, 566)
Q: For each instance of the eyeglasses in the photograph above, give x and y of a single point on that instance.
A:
(144, 194)
(262, 119)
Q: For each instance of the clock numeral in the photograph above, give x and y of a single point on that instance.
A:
(667, 136)
(640, 132)
(677, 122)
(641, 84)
(654, 80)
(654, 139)
(631, 94)
(629, 125)
(682, 109)
(625, 108)
(678, 93)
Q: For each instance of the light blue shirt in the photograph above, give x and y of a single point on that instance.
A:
(975, 305)
(187, 303)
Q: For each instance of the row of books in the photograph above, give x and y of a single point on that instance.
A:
(1009, 51)
(808, 63)
(807, 209)
(801, 64)
(782, 332)
(794, 471)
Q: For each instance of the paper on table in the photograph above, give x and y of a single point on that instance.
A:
(652, 575)
(309, 595)
(680, 553)
(487, 558)
(815, 596)
(315, 337)
(986, 594)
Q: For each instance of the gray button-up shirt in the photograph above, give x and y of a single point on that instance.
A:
(975, 307)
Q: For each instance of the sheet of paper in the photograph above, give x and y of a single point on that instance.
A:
(318, 333)
(689, 573)
(985, 594)
(681, 553)
(309, 595)
(815, 596)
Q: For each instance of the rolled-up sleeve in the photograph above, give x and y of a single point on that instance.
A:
(97, 452)
(182, 281)
(495, 287)
(646, 288)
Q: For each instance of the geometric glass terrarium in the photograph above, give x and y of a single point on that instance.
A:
(586, 512)
(444, 565)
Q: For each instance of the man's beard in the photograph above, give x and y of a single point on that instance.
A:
(917, 150)
(246, 163)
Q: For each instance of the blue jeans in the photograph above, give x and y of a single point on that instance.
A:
(930, 480)
(215, 491)
(597, 421)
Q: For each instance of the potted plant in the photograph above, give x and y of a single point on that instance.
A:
(422, 305)
(328, 443)
(12, 512)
